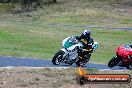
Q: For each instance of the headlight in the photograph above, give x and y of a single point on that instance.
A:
(95, 45)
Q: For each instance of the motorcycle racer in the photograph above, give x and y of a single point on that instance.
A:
(123, 57)
(87, 42)
(76, 49)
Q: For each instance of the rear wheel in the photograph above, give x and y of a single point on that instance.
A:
(113, 62)
(58, 58)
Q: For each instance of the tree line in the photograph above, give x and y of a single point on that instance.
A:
(27, 5)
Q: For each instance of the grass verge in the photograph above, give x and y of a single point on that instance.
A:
(35, 34)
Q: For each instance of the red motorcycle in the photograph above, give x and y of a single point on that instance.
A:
(123, 57)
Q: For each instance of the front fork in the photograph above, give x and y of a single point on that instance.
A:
(120, 62)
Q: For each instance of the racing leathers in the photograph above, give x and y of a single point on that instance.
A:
(87, 49)
(86, 42)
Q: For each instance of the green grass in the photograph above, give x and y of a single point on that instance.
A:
(109, 40)
(31, 35)
(42, 41)
(126, 21)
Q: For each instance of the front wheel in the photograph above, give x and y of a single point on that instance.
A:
(113, 62)
(129, 66)
(58, 58)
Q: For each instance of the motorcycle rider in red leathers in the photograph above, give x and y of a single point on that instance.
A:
(123, 51)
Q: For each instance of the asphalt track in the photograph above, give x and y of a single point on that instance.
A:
(6, 61)
(92, 26)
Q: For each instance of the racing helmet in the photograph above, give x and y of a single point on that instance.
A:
(131, 45)
(86, 34)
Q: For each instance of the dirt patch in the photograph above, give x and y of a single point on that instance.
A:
(23, 77)
(35, 77)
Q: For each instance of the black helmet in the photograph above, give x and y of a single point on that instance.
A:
(86, 34)
(131, 45)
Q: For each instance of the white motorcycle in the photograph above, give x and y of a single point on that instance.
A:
(69, 52)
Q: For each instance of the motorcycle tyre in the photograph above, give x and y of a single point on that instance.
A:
(113, 62)
(55, 58)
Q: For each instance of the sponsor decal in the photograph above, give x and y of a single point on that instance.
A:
(83, 78)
